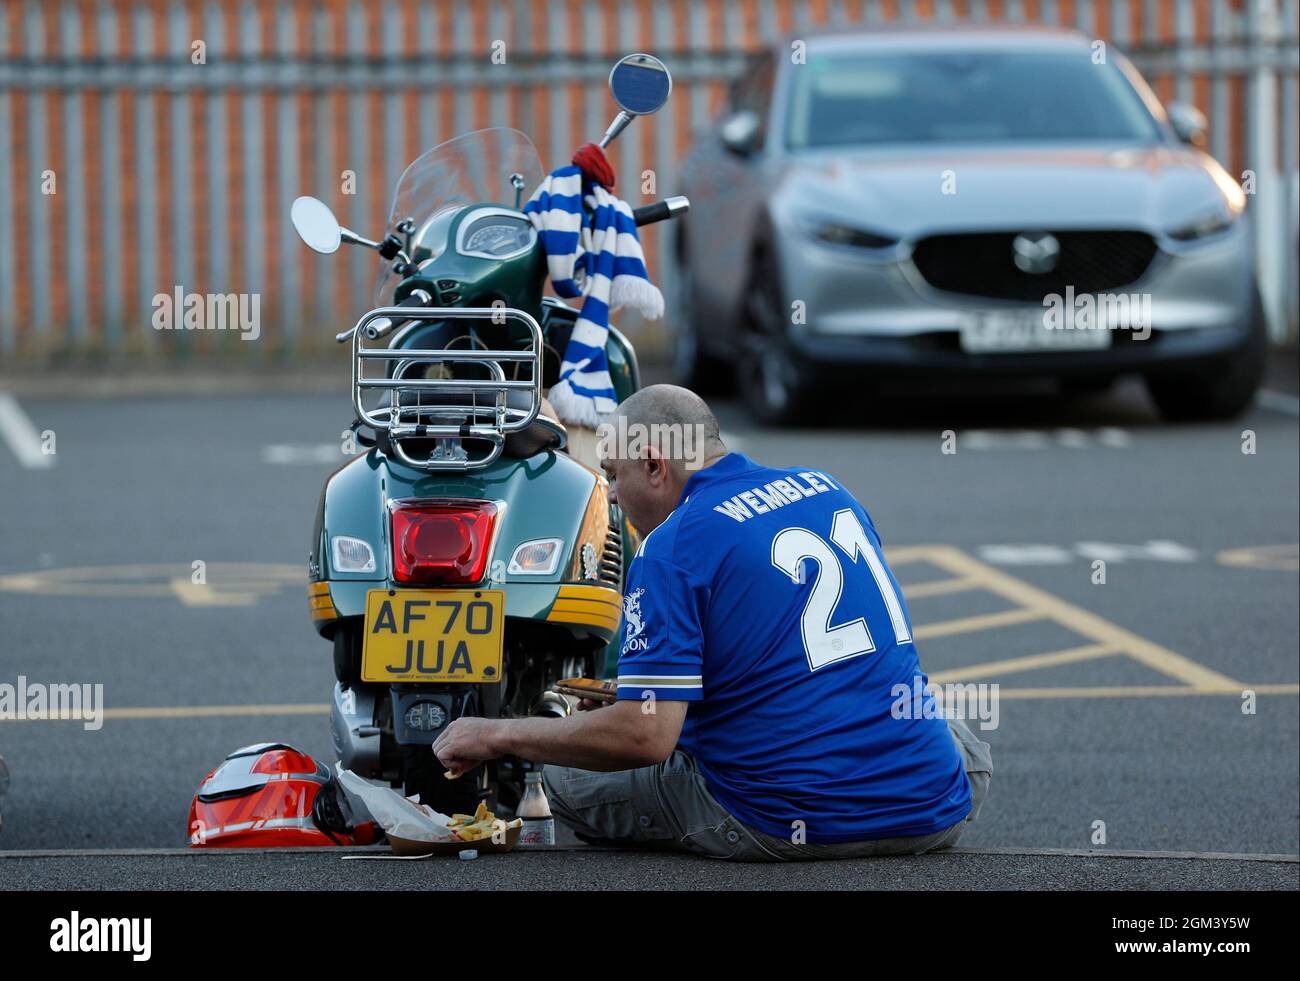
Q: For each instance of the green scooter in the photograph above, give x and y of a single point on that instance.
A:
(467, 561)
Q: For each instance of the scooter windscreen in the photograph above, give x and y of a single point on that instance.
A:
(471, 169)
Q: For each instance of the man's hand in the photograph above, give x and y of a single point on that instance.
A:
(466, 742)
(622, 737)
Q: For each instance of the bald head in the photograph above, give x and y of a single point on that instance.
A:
(650, 447)
(676, 421)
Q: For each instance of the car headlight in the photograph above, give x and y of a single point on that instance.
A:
(834, 233)
(1203, 227)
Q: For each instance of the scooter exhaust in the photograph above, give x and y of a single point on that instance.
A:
(552, 704)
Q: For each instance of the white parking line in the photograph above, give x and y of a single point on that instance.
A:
(22, 437)
(1109, 437)
(293, 454)
(1278, 402)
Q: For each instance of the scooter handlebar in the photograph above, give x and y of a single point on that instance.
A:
(667, 208)
(648, 214)
(376, 330)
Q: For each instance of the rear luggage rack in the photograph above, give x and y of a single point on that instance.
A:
(416, 404)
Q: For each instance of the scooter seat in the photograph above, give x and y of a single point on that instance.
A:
(539, 436)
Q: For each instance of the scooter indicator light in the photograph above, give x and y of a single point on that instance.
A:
(352, 554)
(536, 558)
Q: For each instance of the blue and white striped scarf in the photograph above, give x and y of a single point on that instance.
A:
(600, 260)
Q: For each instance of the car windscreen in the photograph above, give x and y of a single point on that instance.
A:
(962, 97)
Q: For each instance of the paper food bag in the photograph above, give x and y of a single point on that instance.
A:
(400, 817)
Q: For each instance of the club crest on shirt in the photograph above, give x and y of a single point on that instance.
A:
(632, 639)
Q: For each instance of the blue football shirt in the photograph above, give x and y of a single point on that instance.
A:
(765, 600)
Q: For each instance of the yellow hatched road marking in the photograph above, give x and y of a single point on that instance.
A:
(984, 621)
(1143, 691)
(939, 587)
(195, 594)
(212, 711)
(1282, 558)
(1046, 606)
(238, 579)
(1072, 655)
(968, 574)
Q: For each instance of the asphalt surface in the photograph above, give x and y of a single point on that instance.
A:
(597, 869)
(1138, 744)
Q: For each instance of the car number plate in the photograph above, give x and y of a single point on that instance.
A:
(433, 635)
(1025, 331)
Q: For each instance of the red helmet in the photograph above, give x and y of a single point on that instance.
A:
(271, 795)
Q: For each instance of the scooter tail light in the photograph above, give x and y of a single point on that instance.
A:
(442, 542)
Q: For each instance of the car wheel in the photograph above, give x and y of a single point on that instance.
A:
(769, 381)
(1221, 391)
(693, 368)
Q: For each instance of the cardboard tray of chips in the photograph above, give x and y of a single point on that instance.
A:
(484, 846)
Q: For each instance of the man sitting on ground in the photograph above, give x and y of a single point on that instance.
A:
(766, 644)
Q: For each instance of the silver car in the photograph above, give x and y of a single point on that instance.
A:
(922, 203)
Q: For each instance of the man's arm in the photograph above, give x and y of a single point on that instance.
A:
(622, 736)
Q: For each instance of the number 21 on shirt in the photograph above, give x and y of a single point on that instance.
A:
(825, 644)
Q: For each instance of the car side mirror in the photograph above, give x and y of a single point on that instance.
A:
(740, 132)
(1188, 122)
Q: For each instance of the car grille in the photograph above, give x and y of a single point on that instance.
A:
(983, 264)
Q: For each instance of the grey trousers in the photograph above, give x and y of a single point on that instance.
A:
(668, 806)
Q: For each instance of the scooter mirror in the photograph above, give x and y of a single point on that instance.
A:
(316, 224)
(640, 84)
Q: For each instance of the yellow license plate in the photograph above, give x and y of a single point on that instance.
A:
(434, 635)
